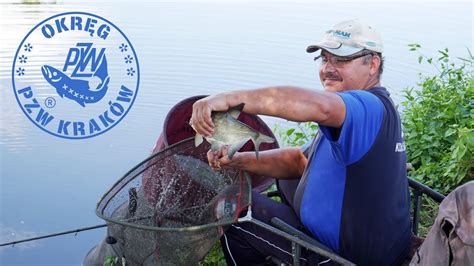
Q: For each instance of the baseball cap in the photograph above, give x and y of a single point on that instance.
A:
(347, 38)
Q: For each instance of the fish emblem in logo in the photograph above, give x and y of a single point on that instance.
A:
(77, 89)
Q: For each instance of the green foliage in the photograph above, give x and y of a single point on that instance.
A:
(215, 257)
(111, 261)
(297, 136)
(438, 119)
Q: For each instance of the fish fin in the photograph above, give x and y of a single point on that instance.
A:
(236, 110)
(103, 85)
(198, 139)
(261, 138)
(235, 148)
(102, 72)
(264, 138)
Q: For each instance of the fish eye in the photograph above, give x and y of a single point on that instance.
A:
(55, 73)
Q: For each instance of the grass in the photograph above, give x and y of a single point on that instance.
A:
(215, 257)
(428, 213)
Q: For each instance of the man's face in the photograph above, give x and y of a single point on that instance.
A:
(341, 73)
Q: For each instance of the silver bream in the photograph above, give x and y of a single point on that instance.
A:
(230, 132)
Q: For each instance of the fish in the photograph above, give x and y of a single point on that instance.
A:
(230, 132)
(78, 90)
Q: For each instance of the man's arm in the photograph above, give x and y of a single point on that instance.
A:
(285, 163)
(291, 103)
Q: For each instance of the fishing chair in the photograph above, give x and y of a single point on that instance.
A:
(285, 190)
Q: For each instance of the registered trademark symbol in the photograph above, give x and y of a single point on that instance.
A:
(50, 102)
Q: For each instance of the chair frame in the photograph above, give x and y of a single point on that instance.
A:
(299, 239)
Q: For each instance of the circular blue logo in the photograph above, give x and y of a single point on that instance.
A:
(75, 75)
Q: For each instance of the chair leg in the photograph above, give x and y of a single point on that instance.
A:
(296, 250)
(416, 212)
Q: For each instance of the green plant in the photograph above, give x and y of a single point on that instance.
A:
(438, 119)
(111, 261)
(215, 257)
(296, 136)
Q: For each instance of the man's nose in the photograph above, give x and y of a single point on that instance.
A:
(328, 67)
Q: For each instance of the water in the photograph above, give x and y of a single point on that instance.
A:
(50, 184)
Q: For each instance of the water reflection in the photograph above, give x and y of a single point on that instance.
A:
(36, 2)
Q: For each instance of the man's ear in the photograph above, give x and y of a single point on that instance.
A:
(374, 65)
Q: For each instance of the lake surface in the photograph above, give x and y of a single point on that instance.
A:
(49, 184)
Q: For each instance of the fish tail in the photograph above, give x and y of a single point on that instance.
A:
(261, 138)
(102, 72)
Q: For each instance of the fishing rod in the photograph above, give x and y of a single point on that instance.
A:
(75, 231)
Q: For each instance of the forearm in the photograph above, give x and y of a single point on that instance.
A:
(291, 103)
(286, 163)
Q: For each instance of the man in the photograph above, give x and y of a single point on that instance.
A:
(353, 194)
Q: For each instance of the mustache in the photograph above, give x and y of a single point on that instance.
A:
(332, 76)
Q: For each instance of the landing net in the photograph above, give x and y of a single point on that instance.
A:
(172, 207)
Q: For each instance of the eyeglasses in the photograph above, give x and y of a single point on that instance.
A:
(339, 61)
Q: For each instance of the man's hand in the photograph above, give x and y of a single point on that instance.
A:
(219, 159)
(201, 119)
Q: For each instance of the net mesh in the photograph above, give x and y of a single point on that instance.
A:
(171, 208)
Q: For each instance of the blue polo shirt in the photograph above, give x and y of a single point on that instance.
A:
(354, 195)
